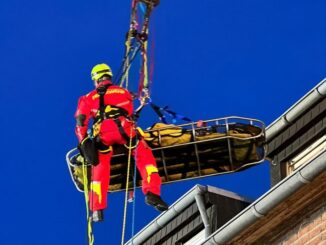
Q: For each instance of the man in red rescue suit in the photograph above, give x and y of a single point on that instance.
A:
(111, 108)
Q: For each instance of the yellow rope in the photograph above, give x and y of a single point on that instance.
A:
(127, 187)
(126, 66)
(126, 73)
(86, 193)
(145, 82)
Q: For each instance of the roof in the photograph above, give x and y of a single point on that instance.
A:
(295, 111)
(258, 209)
(179, 207)
(284, 189)
(268, 201)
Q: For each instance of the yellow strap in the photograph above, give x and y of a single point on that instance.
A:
(96, 128)
(106, 150)
(141, 132)
(86, 138)
(132, 146)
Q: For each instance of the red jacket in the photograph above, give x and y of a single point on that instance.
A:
(88, 106)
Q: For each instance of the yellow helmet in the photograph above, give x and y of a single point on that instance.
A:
(99, 70)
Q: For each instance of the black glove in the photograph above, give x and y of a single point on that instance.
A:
(88, 150)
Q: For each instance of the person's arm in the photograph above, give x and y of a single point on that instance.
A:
(86, 145)
(82, 116)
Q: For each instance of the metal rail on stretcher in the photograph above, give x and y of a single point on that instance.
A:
(217, 146)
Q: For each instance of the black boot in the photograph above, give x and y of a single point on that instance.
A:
(97, 216)
(156, 201)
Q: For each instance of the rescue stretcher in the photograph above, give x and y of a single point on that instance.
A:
(188, 151)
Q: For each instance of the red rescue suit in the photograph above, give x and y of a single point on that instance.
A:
(109, 134)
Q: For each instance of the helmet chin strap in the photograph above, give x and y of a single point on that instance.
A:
(102, 82)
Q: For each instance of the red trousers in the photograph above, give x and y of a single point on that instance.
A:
(145, 161)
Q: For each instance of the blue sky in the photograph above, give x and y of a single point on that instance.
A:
(213, 59)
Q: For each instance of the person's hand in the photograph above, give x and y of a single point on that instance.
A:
(88, 150)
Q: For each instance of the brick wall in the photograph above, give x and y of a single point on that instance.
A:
(310, 231)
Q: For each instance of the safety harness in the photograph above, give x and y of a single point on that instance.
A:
(110, 112)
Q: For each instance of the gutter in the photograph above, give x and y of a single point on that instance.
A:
(204, 217)
(288, 117)
(268, 201)
(177, 208)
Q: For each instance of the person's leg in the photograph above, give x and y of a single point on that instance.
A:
(151, 180)
(146, 165)
(108, 135)
(100, 176)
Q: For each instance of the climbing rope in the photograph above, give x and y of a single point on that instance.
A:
(137, 41)
(130, 50)
(127, 188)
(143, 90)
(90, 236)
(130, 54)
(134, 200)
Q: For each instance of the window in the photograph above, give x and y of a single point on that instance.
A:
(313, 151)
(197, 239)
